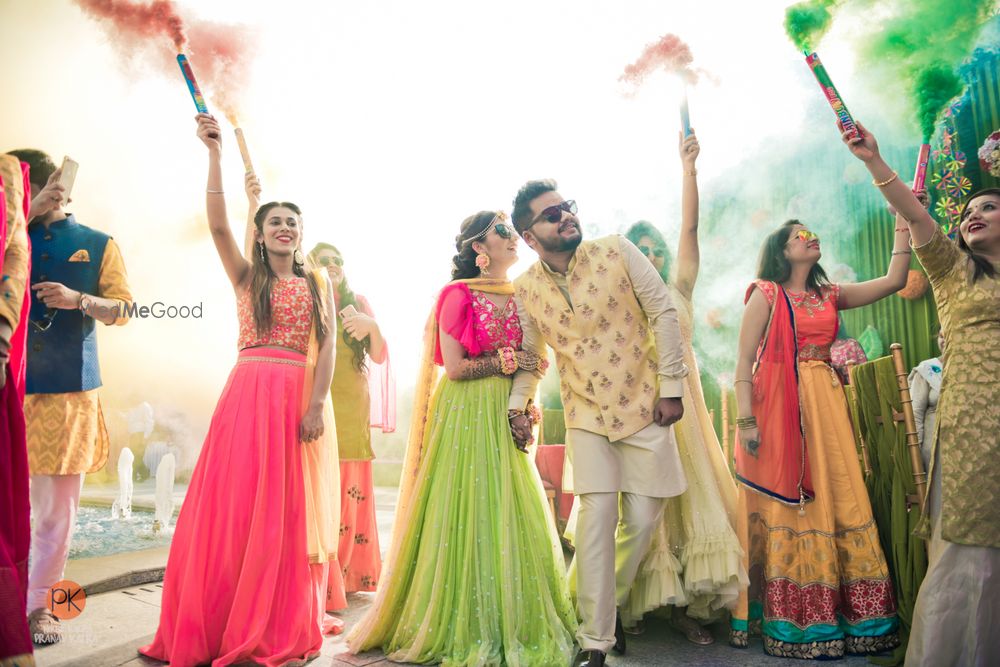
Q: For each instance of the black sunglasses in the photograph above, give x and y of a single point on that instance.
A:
(327, 261)
(555, 213)
(647, 251)
(504, 230)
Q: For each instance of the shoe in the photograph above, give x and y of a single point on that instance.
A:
(619, 646)
(635, 630)
(44, 627)
(691, 629)
(591, 658)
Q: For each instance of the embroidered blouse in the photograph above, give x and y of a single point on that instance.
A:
(481, 326)
(291, 316)
(816, 320)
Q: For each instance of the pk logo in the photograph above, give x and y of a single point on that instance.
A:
(66, 600)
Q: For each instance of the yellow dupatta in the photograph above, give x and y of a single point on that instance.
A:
(320, 461)
(368, 628)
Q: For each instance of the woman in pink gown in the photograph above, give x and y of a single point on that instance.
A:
(246, 576)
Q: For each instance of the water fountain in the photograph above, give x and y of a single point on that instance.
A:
(122, 507)
(165, 470)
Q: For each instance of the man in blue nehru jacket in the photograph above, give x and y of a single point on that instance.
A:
(77, 278)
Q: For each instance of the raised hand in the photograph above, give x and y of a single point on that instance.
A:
(48, 198)
(209, 131)
(865, 147)
(252, 185)
(689, 149)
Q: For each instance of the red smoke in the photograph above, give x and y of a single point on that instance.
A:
(670, 53)
(157, 18)
(220, 54)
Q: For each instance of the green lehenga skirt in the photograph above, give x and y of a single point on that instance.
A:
(480, 577)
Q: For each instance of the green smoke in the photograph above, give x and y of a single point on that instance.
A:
(923, 45)
(808, 21)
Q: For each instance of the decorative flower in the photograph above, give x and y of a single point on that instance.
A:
(989, 154)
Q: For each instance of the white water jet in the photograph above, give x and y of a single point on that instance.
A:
(122, 507)
(165, 470)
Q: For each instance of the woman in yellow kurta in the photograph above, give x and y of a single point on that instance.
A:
(955, 617)
(363, 394)
(695, 560)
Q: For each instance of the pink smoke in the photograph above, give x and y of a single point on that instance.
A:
(220, 54)
(670, 54)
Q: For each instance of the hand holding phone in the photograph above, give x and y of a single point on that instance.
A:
(348, 311)
(68, 175)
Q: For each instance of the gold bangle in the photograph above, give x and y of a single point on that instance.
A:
(215, 192)
(901, 252)
(735, 382)
(887, 181)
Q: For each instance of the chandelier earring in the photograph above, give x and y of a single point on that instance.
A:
(263, 257)
(298, 257)
(483, 263)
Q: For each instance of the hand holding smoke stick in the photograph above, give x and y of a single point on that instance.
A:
(672, 55)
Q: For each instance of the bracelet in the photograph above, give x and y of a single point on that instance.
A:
(887, 181)
(905, 230)
(690, 172)
(902, 252)
(746, 422)
(215, 192)
(508, 362)
(736, 382)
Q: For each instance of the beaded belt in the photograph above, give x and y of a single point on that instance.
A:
(815, 353)
(271, 360)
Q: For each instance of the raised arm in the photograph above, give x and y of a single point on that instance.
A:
(236, 266)
(688, 255)
(752, 328)
(896, 192)
(855, 295)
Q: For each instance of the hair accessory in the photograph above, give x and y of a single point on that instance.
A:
(499, 217)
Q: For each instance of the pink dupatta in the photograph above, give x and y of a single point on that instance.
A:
(779, 468)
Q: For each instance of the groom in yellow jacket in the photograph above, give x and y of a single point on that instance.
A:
(602, 307)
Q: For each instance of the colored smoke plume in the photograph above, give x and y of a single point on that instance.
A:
(670, 54)
(220, 53)
(808, 21)
(922, 45)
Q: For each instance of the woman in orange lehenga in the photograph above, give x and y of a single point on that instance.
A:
(819, 583)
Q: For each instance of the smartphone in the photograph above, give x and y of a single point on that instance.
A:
(347, 311)
(68, 175)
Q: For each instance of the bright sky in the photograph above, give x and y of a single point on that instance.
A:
(388, 122)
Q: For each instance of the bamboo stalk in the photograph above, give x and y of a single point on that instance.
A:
(852, 389)
(912, 442)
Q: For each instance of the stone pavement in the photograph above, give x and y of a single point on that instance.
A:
(113, 626)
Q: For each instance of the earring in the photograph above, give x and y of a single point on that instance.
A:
(263, 257)
(298, 258)
(483, 262)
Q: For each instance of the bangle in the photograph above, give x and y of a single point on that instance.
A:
(746, 422)
(736, 382)
(882, 184)
(905, 230)
(215, 192)
(902, 252)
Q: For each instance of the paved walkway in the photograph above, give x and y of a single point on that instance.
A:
(114, 624)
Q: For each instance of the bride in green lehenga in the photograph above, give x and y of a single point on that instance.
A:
(475, 574)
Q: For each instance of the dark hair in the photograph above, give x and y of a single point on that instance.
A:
(463, 265)
(40, 165)
(521, 215)
(981, 265)
(262, 278)
(645, 228)
(345, 298)
(774, 266)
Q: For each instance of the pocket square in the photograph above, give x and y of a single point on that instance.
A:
(80, 256)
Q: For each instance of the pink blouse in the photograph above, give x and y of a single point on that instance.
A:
(291, 316)
(476, 322)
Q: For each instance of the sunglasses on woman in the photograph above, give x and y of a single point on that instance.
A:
(806, 235)
(647, 251)
(555, 213)
(327, 261)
